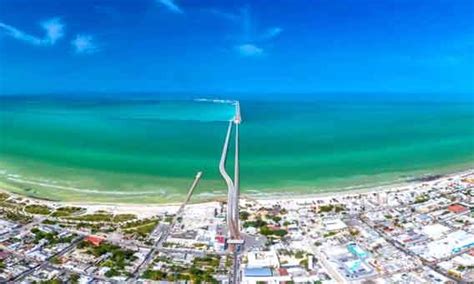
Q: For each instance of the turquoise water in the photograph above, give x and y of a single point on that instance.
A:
(123, 150)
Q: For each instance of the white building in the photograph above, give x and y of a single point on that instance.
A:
(259, 259)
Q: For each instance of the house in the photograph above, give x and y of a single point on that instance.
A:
(457, 209)
(94, 240)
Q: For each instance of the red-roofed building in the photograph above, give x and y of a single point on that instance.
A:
(220, 239)
(220, 243)
(471, 252)
(283, 272)
(94, 240)
(458, 208)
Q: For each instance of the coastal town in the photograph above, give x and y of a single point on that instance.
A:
(420, 232)
(236, 142)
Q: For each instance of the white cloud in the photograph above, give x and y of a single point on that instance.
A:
(249, 50)
(84, 44)
(171, 5)
(54, 29)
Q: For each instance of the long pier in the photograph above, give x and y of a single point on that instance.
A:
(236, 191)
(233, 226)
(233, 186)
(238, 116)
(233, 193)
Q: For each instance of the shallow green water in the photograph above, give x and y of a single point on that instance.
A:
(149, 151)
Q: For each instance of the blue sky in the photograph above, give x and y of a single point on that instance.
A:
(253, 47)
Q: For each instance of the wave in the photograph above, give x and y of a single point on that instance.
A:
(211, 194)
(83, 190)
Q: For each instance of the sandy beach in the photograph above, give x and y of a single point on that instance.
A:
(149, 210)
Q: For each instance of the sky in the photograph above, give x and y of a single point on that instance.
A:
(249, 47)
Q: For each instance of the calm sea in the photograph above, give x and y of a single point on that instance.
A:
(125, 150)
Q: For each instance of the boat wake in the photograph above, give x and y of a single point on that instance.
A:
(217, 101)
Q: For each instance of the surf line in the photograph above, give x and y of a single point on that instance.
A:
(81, 190)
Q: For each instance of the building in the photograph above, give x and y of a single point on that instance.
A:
(262, 259)
(94, 240)
(334, 225)
(458, 209)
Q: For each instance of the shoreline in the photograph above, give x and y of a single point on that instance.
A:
(145, 210)
(353, 184)
(395, 186)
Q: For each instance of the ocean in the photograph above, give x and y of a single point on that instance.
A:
(86, 148)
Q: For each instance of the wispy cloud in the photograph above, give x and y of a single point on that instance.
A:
(171, 5)
(272, 33)
(17, 34)
(54, 29)
(251, 39)
(249, 50)
(224, 15)
(84, 44)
